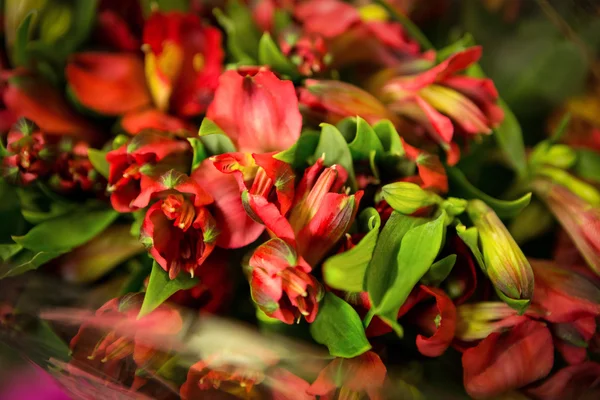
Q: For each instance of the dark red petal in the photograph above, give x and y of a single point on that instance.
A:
(283, 178)
(151, 118)
(508, 361)
(437, 344)
(572, 382)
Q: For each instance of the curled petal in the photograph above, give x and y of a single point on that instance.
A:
(107, 83)
(282, 176)
(171, 181)
(443, 330)
(504, 362)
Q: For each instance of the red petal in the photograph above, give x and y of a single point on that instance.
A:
(328, 18)
(437, 344)
(108, 83)
(504, 362)
(289, 386)
(573, 382)
(236, 228)
(113, 31)
(439, 125)
(432, 173)
(270, 216)
(36, 100)
(259, 113)
(274, 256)
(135, 122)
(571, 354)
(283, 178)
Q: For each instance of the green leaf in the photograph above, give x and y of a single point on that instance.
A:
(98, 160)
(20, 56)
(160, 288)
(346, 271)
(27, 261)
(418, 249)
(588, 165)
(439, 271)
(509, 138)
(383, 268)
(503, 208)
(561, 128)
(269, 54)
(68, 231)
(333, 147)
(364, 141)
(301, 151)
(213, 138)
(84, 15)
(199, 152)
(8, 250)
(556, 155)
(461, 44)
(518, 304)
(534, 221)
(165, 5)
(243, 35)
(470, 237)
(339, 327)
(407, 197)
(389, 137)
(208, 127)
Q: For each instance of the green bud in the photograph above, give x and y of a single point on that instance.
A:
(505, 263)
(454, 206)
(578, 187)
(558, 155)
(56, 22)
(406, 197)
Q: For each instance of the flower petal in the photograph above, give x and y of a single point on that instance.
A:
(571, 382)
(443, 331)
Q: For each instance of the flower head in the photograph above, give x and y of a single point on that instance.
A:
(281, 283)
(505, 263)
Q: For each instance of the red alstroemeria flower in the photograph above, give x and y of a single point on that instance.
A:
(183, 62)
(355, 35)
(308, 52)
(319, 217)
(144, 151)
(564, 295)
(332, 101)
(351, 378)
(579, 218)
(73, 170)
(507, 361)
(120, 24)
(178, 229)
(258, 112)
(443, 101)
(476, 321)
(438, 322)
(30, 97)
(281, 283)
(30, 154)
(115, 333)
(108, 83)
(573, 382)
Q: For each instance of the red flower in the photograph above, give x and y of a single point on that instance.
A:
(183, 62)
(30, 154)
(564, 295)
(319, 217)
(259, 113)
(281, 284)
(308, 52)
(108, 83)
(134, 123)
(32, 98)
(354, 35)
(438, 321)
(508, 361)
(75, 172)
(128, 161)
(573, 382)
(120, 24)
(333, 101)
(107, 340)
(351, 378)
(178, 229)
(289, 386)
(441, 100)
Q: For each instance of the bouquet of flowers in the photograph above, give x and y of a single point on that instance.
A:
(291, 199)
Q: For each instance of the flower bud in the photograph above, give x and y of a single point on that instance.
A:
(505, 263)
(477, 321)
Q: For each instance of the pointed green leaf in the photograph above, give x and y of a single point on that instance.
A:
(68, 231)
(407, 197)
(199, 152)
(269, 54)
(8, 250)
(346, 271)
(503, 208)
(333, 147)
(26, 261)
(418, 249)
(439, 271)
(339, 327)
(301, 151)
(383, 268)
(243, 35)
(20, 56)
(364, 141)
(470, 237)
(98, 160)
(389, 137)
(160, 288)
(509, 137)
(588, 165)
(208, 127)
